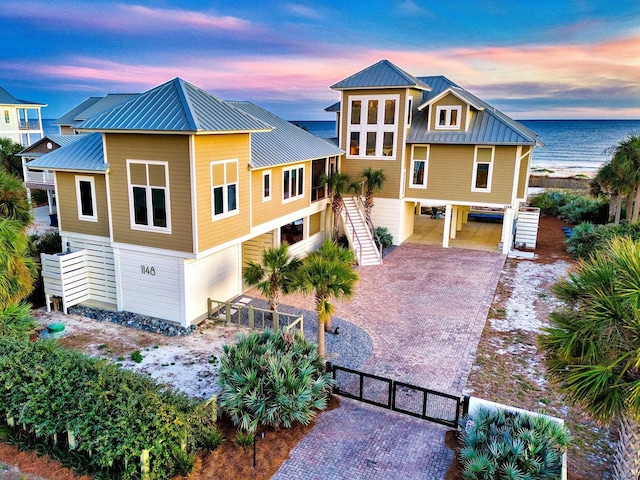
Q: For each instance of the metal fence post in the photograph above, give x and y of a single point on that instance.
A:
(251, 317)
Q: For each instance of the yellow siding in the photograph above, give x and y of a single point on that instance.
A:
(276, 207)
(392, 168)
(448, 100)
(450, 170)
(209, 149)
(524, 169)
(173, 149)
(68, 205)
(315, 223)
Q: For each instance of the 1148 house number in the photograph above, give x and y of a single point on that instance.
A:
(147, 270)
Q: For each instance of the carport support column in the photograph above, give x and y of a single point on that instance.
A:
(447, 226)
(507, 230)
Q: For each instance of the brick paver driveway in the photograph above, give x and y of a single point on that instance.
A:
(424, 309)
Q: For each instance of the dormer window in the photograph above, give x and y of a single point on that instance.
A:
(448, 118)
(372, 125)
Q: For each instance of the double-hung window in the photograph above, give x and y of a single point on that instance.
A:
(482, 169)
(372, 126)
(293, 183)
(448, 118)
(148, 183)
(86, 198)
(224, 188)
(419, 167)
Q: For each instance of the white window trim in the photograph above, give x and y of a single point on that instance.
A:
(300, 194)
(167, 200)
(91, 180)
(426, 167)
(448, 109)
(379, 127)
(266, 198)
(475, 169)
(409, 115)
(225, 200)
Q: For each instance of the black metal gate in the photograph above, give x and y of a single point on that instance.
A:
(420, 402)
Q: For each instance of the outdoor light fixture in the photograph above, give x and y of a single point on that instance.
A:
(255, 437)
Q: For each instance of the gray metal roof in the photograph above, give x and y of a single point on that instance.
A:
(333, 108)
(286, 143)
(59, 140)
(68, 118)
(488, 125)
(175, 106)
(103, 104)
(383, 74)
(7, 99)
(83, 155)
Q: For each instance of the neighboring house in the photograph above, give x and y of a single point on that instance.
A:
(438, 145)
(92, 106)
(43, 180)
(21, 120)
(169, 193)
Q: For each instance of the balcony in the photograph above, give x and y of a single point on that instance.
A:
(39, 179)
(29, 125)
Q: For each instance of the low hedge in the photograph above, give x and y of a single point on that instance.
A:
(587, 238)
(114, 414)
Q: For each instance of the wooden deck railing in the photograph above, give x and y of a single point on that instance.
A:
(244, 315)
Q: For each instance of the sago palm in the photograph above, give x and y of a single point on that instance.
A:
(327, 278)
(13, 199)
(17, 268)
(274, 276)
(9, 156)
(337, 183)
(593, 344)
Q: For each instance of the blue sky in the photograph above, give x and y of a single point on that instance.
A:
(531, 59)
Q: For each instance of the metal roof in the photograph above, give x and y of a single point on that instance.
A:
(175, 106)
(488, 125)
(286, 143)
(333, 108)
(383, 74)
(68, 117)
(7, 99)
(83, 155)
(103, 104)
(59, 140)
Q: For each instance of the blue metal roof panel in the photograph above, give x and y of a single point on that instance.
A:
(175, 106)
(7, 99)
(103, 104)
(68, 117)
(286, 143)
(382, 74)
(333, 108)
(59, 140)
(85, 154)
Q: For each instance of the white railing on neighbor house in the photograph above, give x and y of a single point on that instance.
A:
(39, 177)
(65, 276)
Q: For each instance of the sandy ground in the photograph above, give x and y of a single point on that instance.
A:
(188, 364)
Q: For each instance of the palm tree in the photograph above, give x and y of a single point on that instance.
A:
(338, 184)
(17, 268)
(13, 199)
(373, 182)
(275, 274)
(326, 273)
(9, 157)
(593, 344)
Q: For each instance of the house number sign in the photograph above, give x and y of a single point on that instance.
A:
(147, 270)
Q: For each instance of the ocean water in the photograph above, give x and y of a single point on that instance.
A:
(578, 146)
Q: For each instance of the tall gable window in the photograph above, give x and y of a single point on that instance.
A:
(419, 167)
(371, 133)
(482, 169)
(86, 197)
(266, 185)
(292, 183)
(224, 188)
(148, 183)
(448, 118)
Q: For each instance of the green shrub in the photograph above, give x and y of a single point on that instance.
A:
(136, 356)
(501, 445)
(572, 206)
(549, 201)
(16, 320)
(583, 239)
(586, 239)
(114, 413)
(244, 439)
(48, 242)
(272, 378)
(385, 237)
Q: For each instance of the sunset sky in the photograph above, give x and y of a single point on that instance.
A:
(532, 59)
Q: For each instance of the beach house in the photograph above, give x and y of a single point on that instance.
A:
(21, 120)
(164, 197)
(439, 146)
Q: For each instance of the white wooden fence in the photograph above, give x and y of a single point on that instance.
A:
(65, 275)
(527, 227)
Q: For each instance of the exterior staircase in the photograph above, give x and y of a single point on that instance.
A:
(359, 235)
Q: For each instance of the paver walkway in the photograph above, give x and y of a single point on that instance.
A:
(424, 309)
